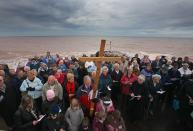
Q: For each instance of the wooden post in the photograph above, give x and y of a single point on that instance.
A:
(98, 65)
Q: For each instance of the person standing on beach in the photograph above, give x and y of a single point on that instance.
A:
(187, 60)
(83, 94)
(184, 70)
(70, 86)
(147, 72)
(54, 85)
(136, 57)
(156, 98)
(144, 61)
(137, 101)
(33, 87)
(49, 60)
(126, 82)
(16, 83)
(26, 117)
(62, 66)
(105, 82)
(8, 104)
(116, 86)
(156, 65)
(74, 115)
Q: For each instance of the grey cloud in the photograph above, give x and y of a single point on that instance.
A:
(111, 17)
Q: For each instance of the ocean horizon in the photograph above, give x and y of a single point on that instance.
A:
(19, 48)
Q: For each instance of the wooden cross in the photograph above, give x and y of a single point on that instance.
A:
(98, 60)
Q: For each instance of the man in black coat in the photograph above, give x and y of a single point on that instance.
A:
(16, 83)
(186, 99)
(7, 102)
(137, 102)
(82, 71)
(116, 76)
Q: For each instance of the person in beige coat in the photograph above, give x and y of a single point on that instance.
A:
(54, 85)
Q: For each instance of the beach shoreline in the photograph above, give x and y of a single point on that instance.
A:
(19, 49)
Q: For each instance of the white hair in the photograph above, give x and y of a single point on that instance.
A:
(105, 68)
(59, 71)
(116, 64)
(87, 77)
(26, 68)
(141, 77)
(156, 76)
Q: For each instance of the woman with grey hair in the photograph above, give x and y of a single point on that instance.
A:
(116, 86)
(156, 94)
(83, 94)
(105, 82)
(138, 95)
(126, 82)
(32, 86)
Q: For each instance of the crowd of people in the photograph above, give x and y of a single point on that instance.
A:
(52, 93)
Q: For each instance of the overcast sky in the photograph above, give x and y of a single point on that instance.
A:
(97, 17)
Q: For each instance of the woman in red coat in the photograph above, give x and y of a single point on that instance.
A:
(69, 88)
(83, 94)
(126, 81)
(60, 76)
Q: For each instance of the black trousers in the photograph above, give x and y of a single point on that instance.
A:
(38, 104)
(136, 110)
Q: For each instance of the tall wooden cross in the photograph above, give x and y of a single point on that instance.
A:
(98, 60)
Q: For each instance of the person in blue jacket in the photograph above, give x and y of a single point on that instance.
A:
(105, 82)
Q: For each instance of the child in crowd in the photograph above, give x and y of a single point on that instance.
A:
(74, 115)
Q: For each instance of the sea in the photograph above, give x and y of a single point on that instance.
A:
(18, 49)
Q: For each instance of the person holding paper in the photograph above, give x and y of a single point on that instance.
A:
(139, 94)
(126, 82)
(26, 117)
(54, 121)
(174, 77)
(116, 84)
(156, 94)
(51, 99)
